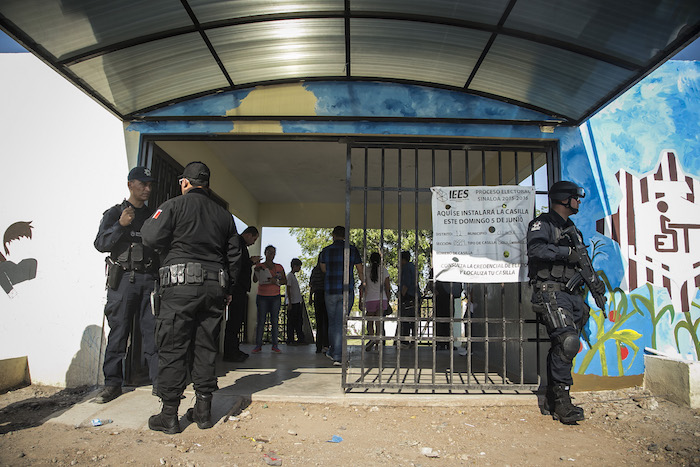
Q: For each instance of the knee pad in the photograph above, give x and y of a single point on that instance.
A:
(567, 346)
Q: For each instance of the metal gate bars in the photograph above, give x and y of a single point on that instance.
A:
(438, 337)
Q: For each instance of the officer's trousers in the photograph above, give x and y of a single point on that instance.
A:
(188, 323)
(558, 368)
(130, 298)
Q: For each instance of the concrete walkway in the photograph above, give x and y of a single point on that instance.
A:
(298, 375)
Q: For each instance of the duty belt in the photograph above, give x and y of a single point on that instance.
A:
(190, 274)
(550, 287)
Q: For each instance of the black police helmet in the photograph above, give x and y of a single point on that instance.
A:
(564, 190)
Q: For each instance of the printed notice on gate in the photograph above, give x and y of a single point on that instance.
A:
(479, 233)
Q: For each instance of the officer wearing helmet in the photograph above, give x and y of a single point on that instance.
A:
(551, 264)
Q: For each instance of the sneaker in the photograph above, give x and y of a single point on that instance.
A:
(276, 349)
(257, 349)
(337, 363)
(109, 393)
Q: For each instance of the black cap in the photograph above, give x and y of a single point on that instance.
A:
(197, 171)
(141, 173)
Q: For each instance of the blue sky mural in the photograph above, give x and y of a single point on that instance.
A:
(647, 146)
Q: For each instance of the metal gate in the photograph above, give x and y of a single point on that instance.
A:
(455, 337)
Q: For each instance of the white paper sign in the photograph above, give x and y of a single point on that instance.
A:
(479, 233)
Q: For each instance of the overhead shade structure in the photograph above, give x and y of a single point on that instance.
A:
(565, 58)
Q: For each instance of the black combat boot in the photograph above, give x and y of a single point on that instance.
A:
(201, 413)
(166, 421)
(558, 404)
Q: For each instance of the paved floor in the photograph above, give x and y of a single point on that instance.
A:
(298, 374)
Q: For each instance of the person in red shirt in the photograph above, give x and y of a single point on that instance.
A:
(269, 276)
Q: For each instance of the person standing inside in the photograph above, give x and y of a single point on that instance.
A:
(269, 276)
(132, 269)
(200, 251)
(317, 299)
(294, 309)
(376, 297)
(331, 260)
(238, 307)
(551, 262)
(408, 307)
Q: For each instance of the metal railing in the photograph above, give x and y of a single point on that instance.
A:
(467, 337)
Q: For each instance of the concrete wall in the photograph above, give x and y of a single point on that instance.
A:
(62, 159)
(672, 379)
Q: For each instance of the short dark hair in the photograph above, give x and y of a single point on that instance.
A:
(268, 247)
(339, 231)
(296, 262)
(406, 255)
(251, 229)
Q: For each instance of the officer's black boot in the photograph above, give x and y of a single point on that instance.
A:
(201, 413)
(560, 405)
(166, 421)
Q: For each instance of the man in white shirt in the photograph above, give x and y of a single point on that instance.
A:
(294, 309)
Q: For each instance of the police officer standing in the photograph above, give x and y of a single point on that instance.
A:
(131, 271)
(551, 265)
(239, 297)
(200, 250)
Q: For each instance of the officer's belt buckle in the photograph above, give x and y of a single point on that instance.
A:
(550, 287)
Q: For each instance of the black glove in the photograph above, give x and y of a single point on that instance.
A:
(599, 287)
(574, 257)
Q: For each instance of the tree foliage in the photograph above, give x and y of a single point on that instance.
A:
(386, 242)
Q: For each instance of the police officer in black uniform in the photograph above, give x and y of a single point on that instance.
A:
(239, 297)
(200, 250)
(131, 269)
(564, 312)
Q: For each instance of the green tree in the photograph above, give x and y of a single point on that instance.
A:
(312, 241)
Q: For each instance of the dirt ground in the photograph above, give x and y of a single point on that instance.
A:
(622, 427)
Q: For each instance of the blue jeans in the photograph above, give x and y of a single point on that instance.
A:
(267, 305)
(334, 306)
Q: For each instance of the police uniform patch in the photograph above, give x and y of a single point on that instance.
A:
(157, 213)
(536, 226)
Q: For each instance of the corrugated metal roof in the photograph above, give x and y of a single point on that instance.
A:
(566, 58)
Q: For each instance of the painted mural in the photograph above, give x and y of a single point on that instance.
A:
(12, 273)
(646, 240)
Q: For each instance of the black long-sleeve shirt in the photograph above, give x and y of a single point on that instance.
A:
(114, 238)
(194, 228)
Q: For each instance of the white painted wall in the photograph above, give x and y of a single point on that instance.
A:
(63, 163)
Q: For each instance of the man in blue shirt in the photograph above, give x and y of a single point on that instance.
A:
(408, 297)
(331, 261)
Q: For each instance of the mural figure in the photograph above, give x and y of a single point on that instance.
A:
(657, 226)
(13, 273)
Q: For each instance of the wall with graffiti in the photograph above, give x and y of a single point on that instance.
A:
(637, 159)
(644, 233)
(62, 160)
